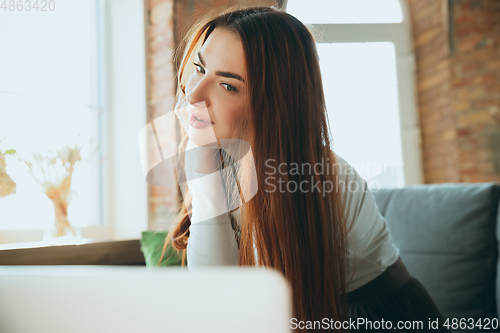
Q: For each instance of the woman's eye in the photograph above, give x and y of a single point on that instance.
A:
(230, 87)
(199, 68)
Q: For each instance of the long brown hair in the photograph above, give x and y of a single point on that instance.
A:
(300, 234)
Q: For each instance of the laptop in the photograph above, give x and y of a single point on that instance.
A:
(133, 299)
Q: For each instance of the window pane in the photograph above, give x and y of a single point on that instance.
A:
(48, 76)
(345, 11)
(360, 85)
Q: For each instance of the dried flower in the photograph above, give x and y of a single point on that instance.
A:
(53, 172)
(7, 185)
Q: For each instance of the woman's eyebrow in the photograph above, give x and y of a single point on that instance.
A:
(220, 73)
(230, 75)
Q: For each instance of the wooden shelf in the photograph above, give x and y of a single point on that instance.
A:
(119, 252)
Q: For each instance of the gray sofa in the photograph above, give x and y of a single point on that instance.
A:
(449, 241)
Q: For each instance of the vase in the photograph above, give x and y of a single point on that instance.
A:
(62, 229)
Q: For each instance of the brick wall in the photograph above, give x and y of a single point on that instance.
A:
(161, 98)
(458, 89)
(475, 68)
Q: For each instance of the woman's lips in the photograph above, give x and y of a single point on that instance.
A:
(198, 123)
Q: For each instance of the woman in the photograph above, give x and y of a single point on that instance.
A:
(252, 76)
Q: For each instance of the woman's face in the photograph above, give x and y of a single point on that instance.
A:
(217, 91)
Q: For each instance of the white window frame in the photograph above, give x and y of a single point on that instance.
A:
(400, 35)
(124, 104)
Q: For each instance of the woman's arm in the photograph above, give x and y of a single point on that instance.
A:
(211, 240)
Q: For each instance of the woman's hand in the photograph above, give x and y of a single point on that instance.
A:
(202, 159)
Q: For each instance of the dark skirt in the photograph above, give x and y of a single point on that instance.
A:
(394, 297)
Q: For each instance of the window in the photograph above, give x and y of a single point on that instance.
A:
(75, 75)
(367, 68)
(49, 98)
(344, 12)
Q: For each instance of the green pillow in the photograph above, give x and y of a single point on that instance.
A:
(152, 246)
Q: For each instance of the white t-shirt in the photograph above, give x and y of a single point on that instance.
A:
(212, 239)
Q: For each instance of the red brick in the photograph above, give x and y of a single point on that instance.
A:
(429, 118)
(477, 28)
(493, 91)
(439, 41)
(483, 79)
(417, 6)
(463, 132)
(435, 176)
(427, 36)
(427, 96)
(469, 170)
(464, 19)
(431, 59)
(484, 178)
(469, 43)
(449, 134)
(434, 163)
(472, 68)
(470, 93)
(484, 54)
(469, 5)
(434, 105)
(493, 65)
(461, 106)
(429, 17)
(474, 118)
(438, 78)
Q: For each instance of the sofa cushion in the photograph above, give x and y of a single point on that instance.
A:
(447, 237)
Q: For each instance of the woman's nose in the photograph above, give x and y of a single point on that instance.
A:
(197, 92)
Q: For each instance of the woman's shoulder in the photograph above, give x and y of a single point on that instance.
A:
(349, 179)
(359, 203)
